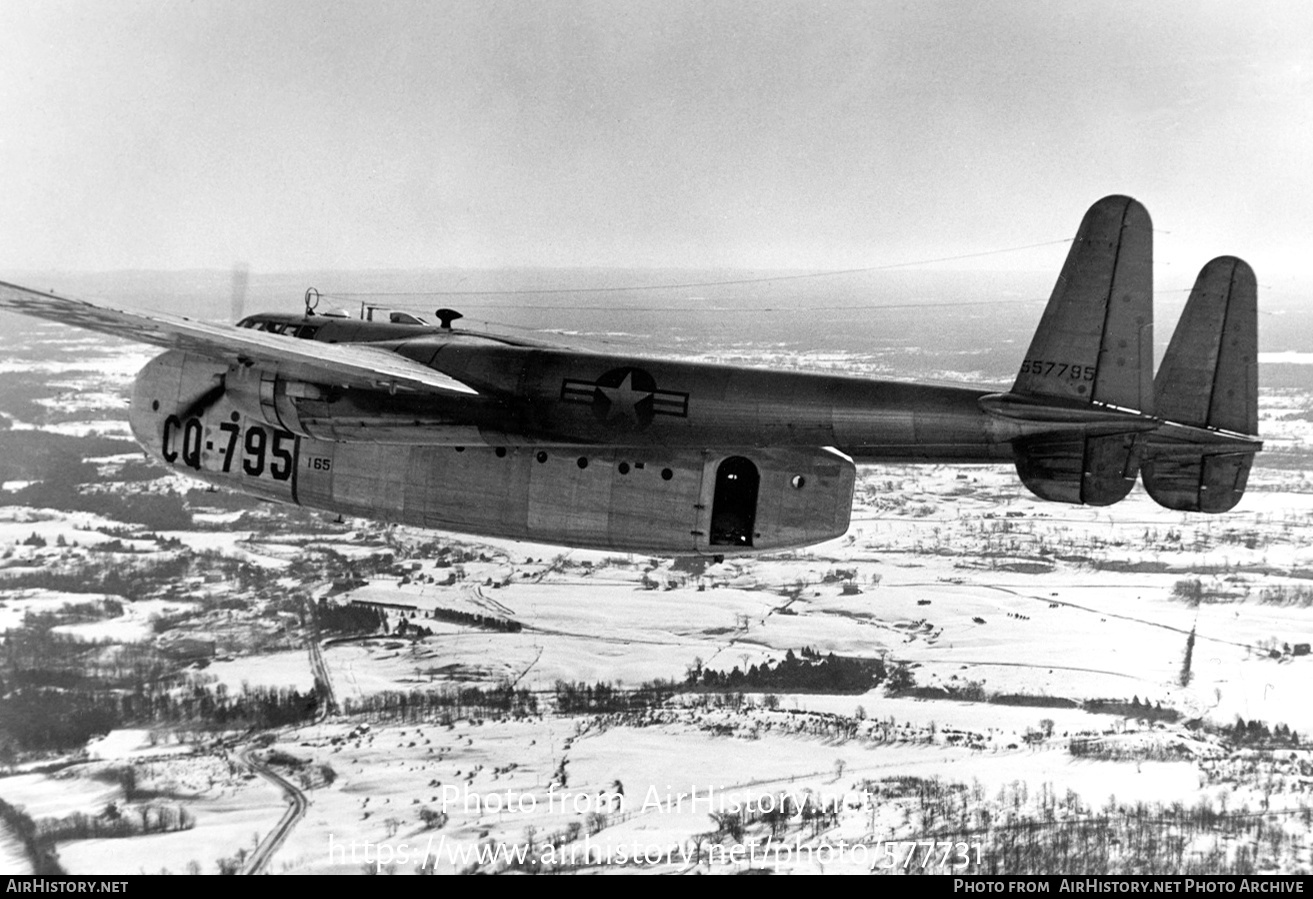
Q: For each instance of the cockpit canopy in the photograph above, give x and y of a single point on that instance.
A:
(278, 324)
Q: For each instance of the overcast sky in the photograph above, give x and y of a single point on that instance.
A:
(297, 135)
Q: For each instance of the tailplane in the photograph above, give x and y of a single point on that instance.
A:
(1206, 392)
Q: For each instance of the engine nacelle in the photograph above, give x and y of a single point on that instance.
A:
(374, 416)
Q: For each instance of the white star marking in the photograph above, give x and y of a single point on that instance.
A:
(624, 399)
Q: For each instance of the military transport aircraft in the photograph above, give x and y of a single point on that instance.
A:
(447, 428)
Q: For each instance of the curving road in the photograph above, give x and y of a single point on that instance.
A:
(296, 807)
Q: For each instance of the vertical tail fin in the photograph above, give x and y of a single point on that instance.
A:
(1209, 377)
(1207, 393)
(1093, 349)
(1094, 343)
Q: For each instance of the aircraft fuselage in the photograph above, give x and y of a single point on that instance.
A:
(589, 449)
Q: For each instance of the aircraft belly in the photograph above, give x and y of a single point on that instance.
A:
(563, 498)
(630, 500)
(643, 500)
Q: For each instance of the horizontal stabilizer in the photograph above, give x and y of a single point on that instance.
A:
(1207, 393)
(1073, 468)
(1094, 343)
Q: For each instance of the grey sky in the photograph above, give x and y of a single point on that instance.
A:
(777, 135)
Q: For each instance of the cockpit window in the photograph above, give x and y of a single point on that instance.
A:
(290, 328)
(305, 332)
(404, 318)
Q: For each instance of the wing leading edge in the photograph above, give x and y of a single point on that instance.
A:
(344, 365)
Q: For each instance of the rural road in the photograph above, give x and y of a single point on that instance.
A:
(296, 806)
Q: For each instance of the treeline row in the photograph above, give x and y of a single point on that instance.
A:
(351, 619)
(132, 582)
(37, 656)
(1122, 752)
(1134, 709)
(1193, 591)
(487, 622)
(577, 697)
(792, 674)
(114, 824)
(1283, 595)
(39, 455)
(160, 511)
(40, 718)
(445, 703)
(451, 616)
(1256, 733)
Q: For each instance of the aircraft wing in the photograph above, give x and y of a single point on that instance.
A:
(344, 365)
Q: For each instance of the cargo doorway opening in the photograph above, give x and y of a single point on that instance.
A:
(734, 507)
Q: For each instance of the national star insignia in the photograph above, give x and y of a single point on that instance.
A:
(624, 399)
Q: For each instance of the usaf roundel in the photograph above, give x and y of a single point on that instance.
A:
(625, 397)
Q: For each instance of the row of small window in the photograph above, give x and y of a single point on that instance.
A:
(291, 329)
(582, 462)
